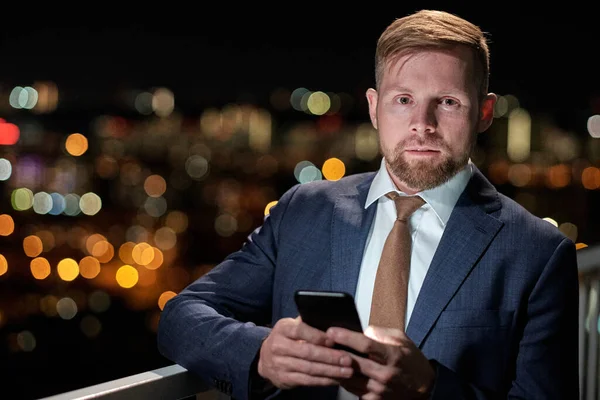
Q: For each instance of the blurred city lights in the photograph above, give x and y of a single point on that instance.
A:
(40, 268)
(318, 103)
(127, 276)
(333, 169)
(519, 135)
(22, 199)
(366, 143)
(99, 301)
(32, 246)
(7, 225)
(268, 207)
(47, 97)
(89, 267)
(155, 185)
(76, 144)
(164, 297)
(296, 98)
(163, 102)
(310, 173)
(68, 269)
(90, 203)
(26, 341)
(593, 126)
(66, 308)
(3, 265)
(5, 168)
(23, 97)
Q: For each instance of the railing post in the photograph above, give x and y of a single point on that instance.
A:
(583, 298)
(591, 325)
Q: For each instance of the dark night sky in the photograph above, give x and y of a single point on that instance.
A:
(543, 55)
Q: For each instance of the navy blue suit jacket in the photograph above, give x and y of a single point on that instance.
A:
(497, 311)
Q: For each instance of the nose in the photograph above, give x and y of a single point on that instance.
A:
(423, 119)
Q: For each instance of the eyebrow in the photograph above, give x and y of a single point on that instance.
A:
(443, 92)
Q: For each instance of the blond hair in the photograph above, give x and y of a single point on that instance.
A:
(430, 29)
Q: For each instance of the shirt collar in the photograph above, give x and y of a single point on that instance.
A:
(441, 198)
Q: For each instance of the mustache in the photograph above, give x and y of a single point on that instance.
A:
(416, 141)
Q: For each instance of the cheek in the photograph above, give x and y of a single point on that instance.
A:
(460, 140)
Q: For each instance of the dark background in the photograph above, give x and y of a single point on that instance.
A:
(211, 55)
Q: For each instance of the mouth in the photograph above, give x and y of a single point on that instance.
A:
(421, 151)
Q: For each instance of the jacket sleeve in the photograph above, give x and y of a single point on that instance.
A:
(547, 360)
(215, 326)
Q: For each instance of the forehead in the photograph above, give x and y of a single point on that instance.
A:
(452, 67)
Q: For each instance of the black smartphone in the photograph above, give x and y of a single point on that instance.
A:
(324, 309)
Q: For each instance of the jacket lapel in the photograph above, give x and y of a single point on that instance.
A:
(468, 233)
(349, 231)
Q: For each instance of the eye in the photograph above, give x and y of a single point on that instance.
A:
(403, 100)
(449, 102)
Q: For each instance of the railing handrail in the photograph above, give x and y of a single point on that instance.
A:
(588, 259)
(175, 382)
(171, 382)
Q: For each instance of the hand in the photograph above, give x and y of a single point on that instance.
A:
(296, 354)
(395, 368)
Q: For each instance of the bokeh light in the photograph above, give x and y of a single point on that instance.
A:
(66, 308)
(3, 265)
(333, 169)
(90, 203)
(127, 276)
(269, 205)
(76, 144)
(7, 225)
(26, 341)
(89, 267)
(155, 185)
(99, 301)
(164, 297)
(142, 253)
(5, 169)
(33, 246)
(177, 221)
(40, 268)
(22, 199)
(68, 269)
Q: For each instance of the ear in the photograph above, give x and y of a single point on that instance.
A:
(486, 112)
(372, 98)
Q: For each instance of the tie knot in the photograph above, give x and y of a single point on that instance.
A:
(405, 205)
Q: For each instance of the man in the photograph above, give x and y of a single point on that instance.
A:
(491, 303)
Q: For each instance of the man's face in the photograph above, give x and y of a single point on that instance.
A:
(427, 114)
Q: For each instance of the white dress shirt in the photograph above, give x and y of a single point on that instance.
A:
(427, 225)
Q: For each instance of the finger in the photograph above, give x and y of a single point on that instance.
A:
(307, 351)
(359, 342)
(371, 396)
(314, 368)
(299, 330)
(300, 379)
(374, 370)
(376, 387)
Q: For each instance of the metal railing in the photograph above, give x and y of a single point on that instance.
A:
(589, 287)
(176, 383)
(169, 383)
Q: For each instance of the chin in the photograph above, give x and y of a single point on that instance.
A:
(424, 174)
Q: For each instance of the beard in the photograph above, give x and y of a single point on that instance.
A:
(424, 174)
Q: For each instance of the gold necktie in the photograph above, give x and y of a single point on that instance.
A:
(388, 306)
